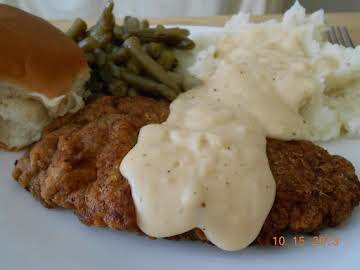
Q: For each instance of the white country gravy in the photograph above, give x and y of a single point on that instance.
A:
(206, 166)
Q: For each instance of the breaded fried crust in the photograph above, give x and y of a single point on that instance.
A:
(76, 166)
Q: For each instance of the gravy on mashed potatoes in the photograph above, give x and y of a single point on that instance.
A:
(206, 166)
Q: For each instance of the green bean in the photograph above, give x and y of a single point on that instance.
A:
(105, 24)
(104, 39)
(134, 66)
(171, 36)
(167, 60)
(95, 86)
(131, 23)
(118, 88)
(178, 78)
(100, 57)
(77, 29)
(144, 84)
(133, 92)
(89, 44)
(105, 73)
(132, 58)
(119, 32)
(151, 66)
(175, 31)
(160, 27)
(119, 55)
(90, 57)
(107, 20)
(186, 44)
(154, 49)
(144, 24)
(108, 48)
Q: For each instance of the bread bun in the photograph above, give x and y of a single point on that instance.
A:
(42, 74)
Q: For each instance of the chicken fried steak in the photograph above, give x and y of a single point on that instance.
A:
(76, 166)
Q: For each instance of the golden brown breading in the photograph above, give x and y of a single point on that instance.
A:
(76, 166)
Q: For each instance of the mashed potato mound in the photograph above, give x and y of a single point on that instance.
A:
(334, 108)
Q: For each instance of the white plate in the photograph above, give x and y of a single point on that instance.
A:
(35, 238)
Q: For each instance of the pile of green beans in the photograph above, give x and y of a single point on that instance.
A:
(133, 58)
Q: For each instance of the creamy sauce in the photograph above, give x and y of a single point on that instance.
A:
(206, 166)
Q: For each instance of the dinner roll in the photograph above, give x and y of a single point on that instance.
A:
(42, 76)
